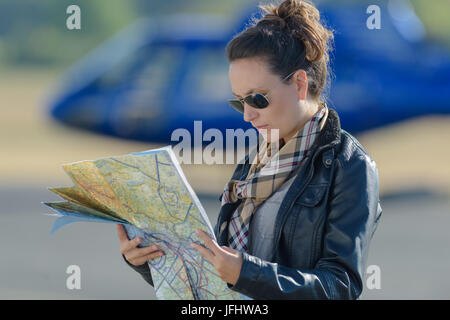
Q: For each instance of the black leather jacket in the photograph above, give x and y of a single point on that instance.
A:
(323, 228)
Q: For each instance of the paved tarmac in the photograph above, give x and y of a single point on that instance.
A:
(410, 247)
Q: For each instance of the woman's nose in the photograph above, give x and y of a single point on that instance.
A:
(249, 113)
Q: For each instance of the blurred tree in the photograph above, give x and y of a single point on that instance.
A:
(35, 32)
(191, 6)
(435, 16)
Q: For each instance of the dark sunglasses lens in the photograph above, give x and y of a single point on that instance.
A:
(236, 104)
(257, 101)
(260, 101)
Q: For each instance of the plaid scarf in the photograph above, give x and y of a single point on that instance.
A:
(265, 176)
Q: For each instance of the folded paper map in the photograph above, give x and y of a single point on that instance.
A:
(148, 193)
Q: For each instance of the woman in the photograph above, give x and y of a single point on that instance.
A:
(299, 227)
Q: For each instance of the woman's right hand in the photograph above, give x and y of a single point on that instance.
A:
(134, 255)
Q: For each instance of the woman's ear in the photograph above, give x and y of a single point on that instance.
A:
(301, 84)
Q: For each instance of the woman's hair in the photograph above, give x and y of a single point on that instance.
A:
(288, 37)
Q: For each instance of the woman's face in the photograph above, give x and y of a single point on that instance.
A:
(285, 111)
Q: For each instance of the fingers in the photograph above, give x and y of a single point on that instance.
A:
(127, 245)
(129, 248)
(122, 233)
(124, 240)
(229, 250)
(134, 255)
(207, 254)
(133, 243)
(143, 259)
(140, 252)
(139, 256)
(208, 241)
(226, 261)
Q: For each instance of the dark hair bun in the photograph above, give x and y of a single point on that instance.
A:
(302, 19)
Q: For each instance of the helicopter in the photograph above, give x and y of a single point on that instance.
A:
(158, 75)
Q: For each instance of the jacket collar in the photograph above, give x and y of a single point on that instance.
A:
(329, 136)
(331, 132)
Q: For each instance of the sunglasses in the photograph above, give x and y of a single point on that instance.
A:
(255, 100)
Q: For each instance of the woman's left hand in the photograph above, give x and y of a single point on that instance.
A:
(228, 262)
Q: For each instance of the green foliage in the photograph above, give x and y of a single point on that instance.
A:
(435, 16)
(34, 32)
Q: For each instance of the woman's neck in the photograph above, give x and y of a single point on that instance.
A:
(311, 107)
